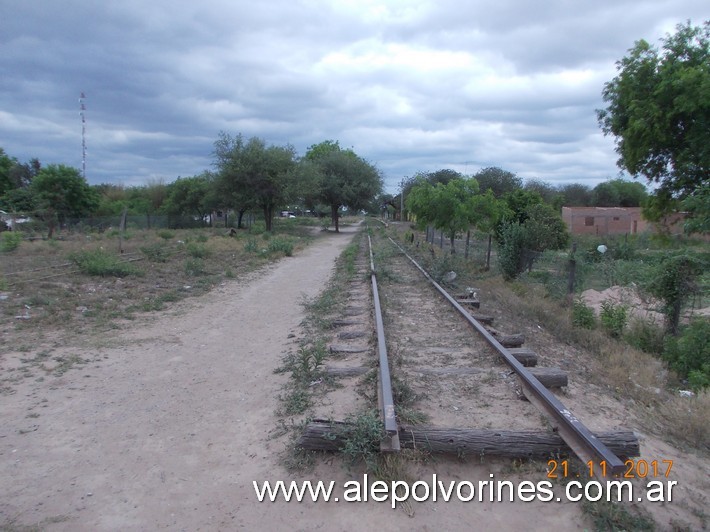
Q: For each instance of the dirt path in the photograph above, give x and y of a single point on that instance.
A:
(169, 429)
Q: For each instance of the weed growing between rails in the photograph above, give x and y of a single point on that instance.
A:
(310, 388)
(304, 365)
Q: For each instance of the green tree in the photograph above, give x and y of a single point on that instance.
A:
(658, 108)
(15, 179)
(699, 207)
(21, 174)
(576, 195)
(546, 191)
(453, 207)
(18, 200)
(500, 181)
(619, 193)
(229, 152)
(545, 228)
(188, 196)
(343, 179)
(675, 281)
(253, 174)
(113, 199)
(519, 243)
(6, 163)
(518, 202)
(318, 152)
(61, 192)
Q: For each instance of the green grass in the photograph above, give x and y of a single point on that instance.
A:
(10, 241)
(101, 263)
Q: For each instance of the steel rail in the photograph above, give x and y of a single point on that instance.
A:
(385, 382)
(579, 438)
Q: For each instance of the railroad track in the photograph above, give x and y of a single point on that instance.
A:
(448, 381)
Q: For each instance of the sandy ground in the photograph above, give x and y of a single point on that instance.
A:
(168, 426)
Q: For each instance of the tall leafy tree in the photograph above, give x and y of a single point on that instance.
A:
(188, 196)
(576, 195)
(6, 164)
(343, 179)
(658, 109)
(229, 151)
(61, 192)
(619, 193)
(549, 193)
(500, 181)
(518, 202)
(253, 174)
(699, 205)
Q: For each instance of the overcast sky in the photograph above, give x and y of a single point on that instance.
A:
(409, 85)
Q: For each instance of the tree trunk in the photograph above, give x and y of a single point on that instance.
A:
(452, 238)
(326, 435)
(268, 217)
(334, 217)
(488, 253)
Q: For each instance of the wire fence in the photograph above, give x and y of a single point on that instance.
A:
(566, 272)
(32, 225)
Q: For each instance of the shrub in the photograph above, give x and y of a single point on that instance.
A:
(166, 234)
(280, 245)
(251, 246)
(582, 315)
(645, 335)
(10, 241)
(194, 267)
(101, 263)
(363, 438)
(511, 250)
(689, 353)
(613, 318)
(198, 251)
(156, 253)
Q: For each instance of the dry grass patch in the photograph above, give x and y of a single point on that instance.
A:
(685, 419)
(625, 370)
(81, 283)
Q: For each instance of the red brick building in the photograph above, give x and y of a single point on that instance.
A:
(604, 220)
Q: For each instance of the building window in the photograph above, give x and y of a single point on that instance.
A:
(589, 221)
(616, 218)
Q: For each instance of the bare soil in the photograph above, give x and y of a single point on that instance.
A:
(165, 425)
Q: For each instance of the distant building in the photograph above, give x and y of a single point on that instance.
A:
(604, 220)
(617, 221)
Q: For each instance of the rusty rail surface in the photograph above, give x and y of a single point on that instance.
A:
(579, 438)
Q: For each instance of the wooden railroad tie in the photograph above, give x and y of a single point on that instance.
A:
(324, 435)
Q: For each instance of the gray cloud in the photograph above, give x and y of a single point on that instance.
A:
(411, 86)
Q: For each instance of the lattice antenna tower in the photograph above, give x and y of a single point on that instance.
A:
(82, 109)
